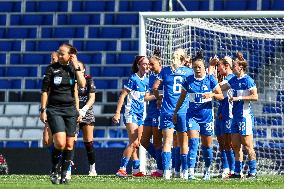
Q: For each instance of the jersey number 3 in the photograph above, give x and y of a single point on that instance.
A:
(177, 84)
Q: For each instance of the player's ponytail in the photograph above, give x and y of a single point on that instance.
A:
(178, 57)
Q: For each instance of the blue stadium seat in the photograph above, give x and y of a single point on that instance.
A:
(111, 58)
(260, 121)
(78, 19)
(35, 144)
(17, 144)
(99, 133)
(251, 4)
(100, 46)
(94, 32)
(1, 144)
(118, 133)
(90, 58)
(280, 96)
(2, 71)
(36, 58)
(115, 32)
(132, 45)
(123, 6)
(33, 19)
(105, 84)
(116, 144)
(277, 133)
(62, 32)
(235, 5)
(274, 120)
(140, 6)
(10, 45)
(93, 6)
(95, 71)
(157, 5)
(2, 58)
(33, 84)
(266, 5)
(113, 72)
(126, 19)
(15, 33)
(8, 6)
(277, 5)
(43, 45)
(21, 71)
(219, 5)
(2, 19)
(126, 58)
(46, 6)
(5, 84)
(260, 133)
(272, 108)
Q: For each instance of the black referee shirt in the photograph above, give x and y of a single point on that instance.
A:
(59, 81)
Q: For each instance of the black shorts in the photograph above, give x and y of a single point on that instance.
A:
(63, 119)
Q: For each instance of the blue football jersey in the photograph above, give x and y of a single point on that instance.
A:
(152, 110)
(241, 87)
(225, 107)
(135, 99)
(172, 83)
(199, 108)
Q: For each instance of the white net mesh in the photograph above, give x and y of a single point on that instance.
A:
(261, 42)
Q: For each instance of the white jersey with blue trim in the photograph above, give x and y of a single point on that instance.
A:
(199, 108)
(135, 99)
(241, 87)
(225, 106)
(172, 80)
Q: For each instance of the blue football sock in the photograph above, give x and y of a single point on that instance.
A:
(231, 159)
(238, 167)
(151, 150)
(173, 157)
(159, 159)
(207, 155)
(184, 164)
(166, 157)
(224, 159)
(124, 162)
(192, 154)
(252, 166)
(136, 164)
(177, 159)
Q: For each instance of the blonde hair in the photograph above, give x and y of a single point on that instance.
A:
(178, 57)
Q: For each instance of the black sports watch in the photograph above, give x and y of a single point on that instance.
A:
(78, 69)
(42, 110)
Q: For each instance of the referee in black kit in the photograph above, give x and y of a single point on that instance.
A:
(58, 107)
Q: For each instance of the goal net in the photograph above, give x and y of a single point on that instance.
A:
(259, 36)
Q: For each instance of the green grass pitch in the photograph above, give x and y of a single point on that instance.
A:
(105, 182)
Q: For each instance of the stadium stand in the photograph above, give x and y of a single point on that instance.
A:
(106, 35)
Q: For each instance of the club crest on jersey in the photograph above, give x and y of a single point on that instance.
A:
(204, 87)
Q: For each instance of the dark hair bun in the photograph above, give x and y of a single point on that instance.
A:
(199, 55)
(157, 53)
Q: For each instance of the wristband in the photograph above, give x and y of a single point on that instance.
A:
(42, 110)
(83, 111)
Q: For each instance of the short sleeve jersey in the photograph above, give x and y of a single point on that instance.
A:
(225, 106)
(135, 99)
(84, 92)
(59, 80)
(172, 83)
(199, 108)
(152, 110)
(241, 87)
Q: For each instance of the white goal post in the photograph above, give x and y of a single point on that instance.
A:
(259, 35)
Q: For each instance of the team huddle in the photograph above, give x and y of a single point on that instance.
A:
(180, 111)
